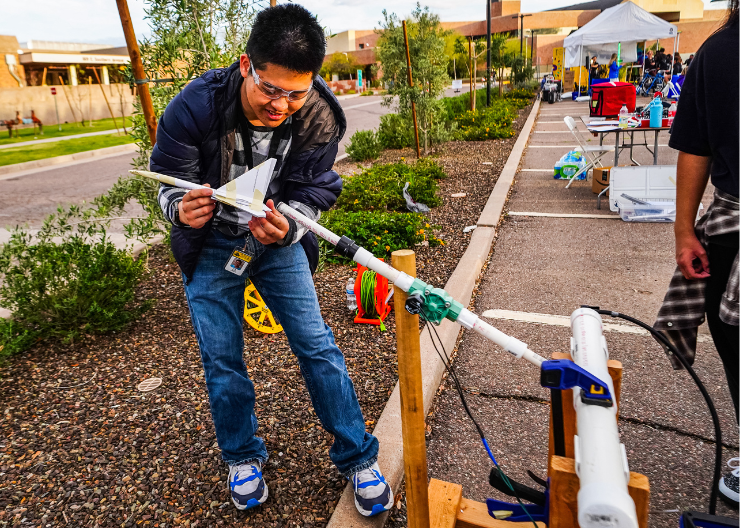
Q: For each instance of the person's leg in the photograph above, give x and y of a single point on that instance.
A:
(284, 281)
(216, 301)
(725, 336)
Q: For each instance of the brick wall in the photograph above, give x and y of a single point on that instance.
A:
(9, 46)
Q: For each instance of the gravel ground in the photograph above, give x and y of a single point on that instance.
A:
(81, 446)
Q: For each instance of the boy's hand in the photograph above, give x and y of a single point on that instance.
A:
(196, 207)
(270, 229)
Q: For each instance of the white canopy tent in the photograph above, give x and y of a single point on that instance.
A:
(625, 24)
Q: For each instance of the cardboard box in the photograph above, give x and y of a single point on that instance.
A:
(600, 179)
(569, 78)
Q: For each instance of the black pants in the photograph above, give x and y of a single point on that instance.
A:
(722, 251)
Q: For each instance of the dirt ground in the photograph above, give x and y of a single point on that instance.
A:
(81, 446)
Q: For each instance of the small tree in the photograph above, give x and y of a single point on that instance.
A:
(428, 66)
(343, 64)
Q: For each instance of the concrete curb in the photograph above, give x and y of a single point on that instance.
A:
(8, 172)
(460, 286)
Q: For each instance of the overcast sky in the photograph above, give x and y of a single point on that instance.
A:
(97, 20)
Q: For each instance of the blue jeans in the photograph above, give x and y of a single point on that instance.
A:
(216, 301)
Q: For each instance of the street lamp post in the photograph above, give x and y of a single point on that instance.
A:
(521, 32)
(488, 52)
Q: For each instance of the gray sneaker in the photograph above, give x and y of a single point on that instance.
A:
(247, 487)
(372, 493)
(729, 484)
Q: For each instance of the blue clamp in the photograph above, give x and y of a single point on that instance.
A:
(564, 374)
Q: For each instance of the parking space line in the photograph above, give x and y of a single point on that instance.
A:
(563, 320)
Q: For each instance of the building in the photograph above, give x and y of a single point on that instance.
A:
(547, 29)
(47, 63)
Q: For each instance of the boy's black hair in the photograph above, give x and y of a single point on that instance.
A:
(289, 36)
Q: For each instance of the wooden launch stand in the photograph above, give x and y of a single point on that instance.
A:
(441, 504)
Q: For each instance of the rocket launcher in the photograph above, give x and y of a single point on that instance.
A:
(601, 462)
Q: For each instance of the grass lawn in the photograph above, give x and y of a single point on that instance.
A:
(60, 148)
(68, 129)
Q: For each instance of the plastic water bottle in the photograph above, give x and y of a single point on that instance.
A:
(623, 116)
(656, 113)
(672, 110)
(350, 290)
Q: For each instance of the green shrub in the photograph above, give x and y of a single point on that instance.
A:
(75, 287)
(493, 122)
(364, 146)
(367, 92)
(521, 94)
(395, 131)
(380, 232)
(15, 338)
(380, 188)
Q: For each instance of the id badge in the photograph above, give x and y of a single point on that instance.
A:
(238, 262)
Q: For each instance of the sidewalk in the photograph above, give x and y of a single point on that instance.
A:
(551, 265)
(61, 138)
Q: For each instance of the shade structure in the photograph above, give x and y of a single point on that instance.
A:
(626, 23)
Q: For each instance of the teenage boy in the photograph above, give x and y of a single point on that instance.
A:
(269, 104)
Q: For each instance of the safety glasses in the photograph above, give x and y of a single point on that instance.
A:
(273, 92)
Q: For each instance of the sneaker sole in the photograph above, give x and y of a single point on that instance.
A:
(377, 509)
(727, 495)
(251, 503)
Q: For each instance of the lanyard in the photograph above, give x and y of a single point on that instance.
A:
(246, 131)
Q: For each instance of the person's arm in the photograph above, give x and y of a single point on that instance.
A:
(692, 175)
(181, 131)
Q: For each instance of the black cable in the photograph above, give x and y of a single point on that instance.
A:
(666, 344)
(453, 376)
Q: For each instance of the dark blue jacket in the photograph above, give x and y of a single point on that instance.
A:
(196, 137)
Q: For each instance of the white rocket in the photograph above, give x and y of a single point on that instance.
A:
(246, 193)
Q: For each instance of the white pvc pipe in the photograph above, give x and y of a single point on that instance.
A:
(601, 462)
(467, 319)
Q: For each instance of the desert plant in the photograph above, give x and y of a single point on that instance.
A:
(429, 68)
(380, 233)
(380, 188)
(364, 146)
(78, 286)
(396, 131)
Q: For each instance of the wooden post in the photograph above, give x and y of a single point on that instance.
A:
(412, 399)
(411, 85)
(106, 99)
(43, 77)
(139, 75)
(66, 97)
(564, 486)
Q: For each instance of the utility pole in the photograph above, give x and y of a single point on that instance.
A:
(521, 32)
(488, 52)
(142, 83)
(472, 74)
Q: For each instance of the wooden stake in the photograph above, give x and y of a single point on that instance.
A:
(66, 97)
(138, 67)
(411, 85)
(412, 399)
(106, 99)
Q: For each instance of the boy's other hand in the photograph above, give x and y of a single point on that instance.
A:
(270, 229)
(196, 207)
